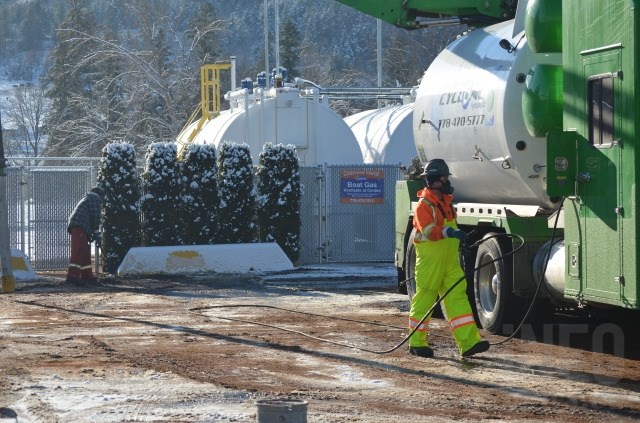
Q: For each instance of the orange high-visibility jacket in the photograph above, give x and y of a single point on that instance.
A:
(431, 214)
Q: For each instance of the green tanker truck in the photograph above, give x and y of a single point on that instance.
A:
(536, 115)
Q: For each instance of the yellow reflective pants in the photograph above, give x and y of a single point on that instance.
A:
(437, 269)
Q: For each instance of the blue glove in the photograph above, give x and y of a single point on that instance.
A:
(449, 232)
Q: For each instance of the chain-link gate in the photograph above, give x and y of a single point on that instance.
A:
(348, 213)
(40, 201)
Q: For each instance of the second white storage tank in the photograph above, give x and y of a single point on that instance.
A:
(385, 135)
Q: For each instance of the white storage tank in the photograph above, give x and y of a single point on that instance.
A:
(385, 135)
(469, 112)
(284, 115)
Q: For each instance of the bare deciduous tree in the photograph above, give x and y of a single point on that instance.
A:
(25, 113)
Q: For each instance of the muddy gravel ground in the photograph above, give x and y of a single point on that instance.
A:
(206, 348)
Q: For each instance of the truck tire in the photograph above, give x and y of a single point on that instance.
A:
(402, 280)
(492, 285)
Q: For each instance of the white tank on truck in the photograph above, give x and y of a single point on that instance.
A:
(468, 111)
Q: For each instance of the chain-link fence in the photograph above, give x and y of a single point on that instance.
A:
(40, 199)
(347, 212)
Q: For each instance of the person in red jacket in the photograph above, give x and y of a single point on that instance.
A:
(84, 227)
(437, 240)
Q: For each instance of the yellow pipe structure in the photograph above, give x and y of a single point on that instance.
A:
(210, 98)
(210, 88)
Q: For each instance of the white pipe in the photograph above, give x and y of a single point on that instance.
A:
(260, 94)
(233, 73)
(316, 132)
(246, 114)
(266, 42)
(234, 95)
(299, 81)
(277, 21)
(379, 54)
(310, 107)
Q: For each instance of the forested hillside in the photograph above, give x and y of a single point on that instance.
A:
(127, 70)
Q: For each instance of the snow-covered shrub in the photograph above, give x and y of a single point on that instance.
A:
(278, 198)
(200, 194)
(237, 197)
(120, 219)
(161, 200)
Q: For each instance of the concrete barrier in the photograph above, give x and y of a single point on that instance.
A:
(218, 258)
(21, 266)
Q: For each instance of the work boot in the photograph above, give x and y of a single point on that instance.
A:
(478, 348)
(75, 281)
(73, 274)
(421, 351)
(88, 276)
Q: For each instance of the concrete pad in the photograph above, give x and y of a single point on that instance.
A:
(218, 258)
(21, 266)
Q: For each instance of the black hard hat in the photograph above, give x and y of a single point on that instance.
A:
(436, 167)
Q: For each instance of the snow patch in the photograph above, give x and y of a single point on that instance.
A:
(219, 258)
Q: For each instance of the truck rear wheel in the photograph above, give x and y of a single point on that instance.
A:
(492, 285)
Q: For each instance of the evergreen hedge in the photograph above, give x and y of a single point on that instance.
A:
(161, 201)
(237, 197)
(278, 198)
(200, 194)
(120, 217)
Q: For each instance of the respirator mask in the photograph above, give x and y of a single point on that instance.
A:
(445, 187)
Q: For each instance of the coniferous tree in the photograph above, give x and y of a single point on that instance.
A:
(200, 194)
(237, 197)
(118, 177)
(115, 94)
(290, 48)
(71, 80)
(33, 28)
(5, 31)
(203, 33)
(156, 104)
(161, 199)
(279, 195)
